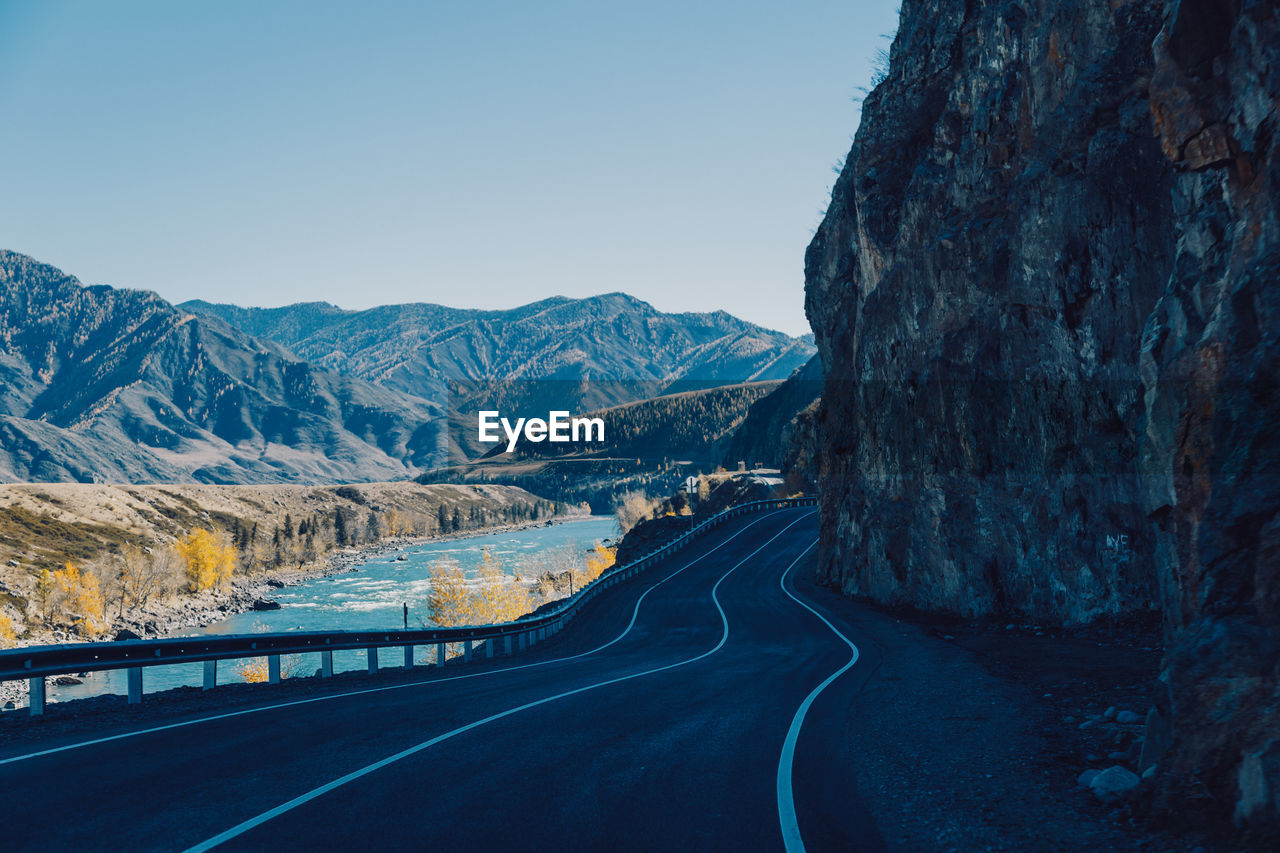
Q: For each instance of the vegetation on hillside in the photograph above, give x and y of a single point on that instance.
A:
(650, 446)
(208, 558)
(675, 426)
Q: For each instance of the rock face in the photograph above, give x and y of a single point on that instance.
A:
(1211, 366)
(996, 240)
(101, 384)
(1045, 300)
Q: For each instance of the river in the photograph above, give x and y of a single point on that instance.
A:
(370, 596)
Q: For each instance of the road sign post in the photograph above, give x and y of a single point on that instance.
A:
(691, 489)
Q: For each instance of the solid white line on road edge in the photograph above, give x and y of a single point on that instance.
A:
(251, 823)
(786, 800)
(634, 613)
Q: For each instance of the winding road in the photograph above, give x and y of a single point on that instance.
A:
(698, 706)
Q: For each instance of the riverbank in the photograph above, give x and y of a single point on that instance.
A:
(249, 593)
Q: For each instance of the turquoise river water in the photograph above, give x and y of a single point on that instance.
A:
(371, 596)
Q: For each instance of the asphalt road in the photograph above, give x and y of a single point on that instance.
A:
(695, 707)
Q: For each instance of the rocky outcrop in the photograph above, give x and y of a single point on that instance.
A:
(1211, 366)
(1044, 295)
(996, 240)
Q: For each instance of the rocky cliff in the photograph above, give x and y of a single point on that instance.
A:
(1044, 299)
(1210, 362)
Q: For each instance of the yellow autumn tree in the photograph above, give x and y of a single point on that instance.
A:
(599, 558)
(46, 586)
(450, 602)
(8, 636)
(499, 597)
(80, 595)
(394, 523)
(208, 558)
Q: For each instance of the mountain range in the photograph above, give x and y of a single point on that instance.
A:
(102, 384)
(113, 385)
(613, 337)
(558, 353)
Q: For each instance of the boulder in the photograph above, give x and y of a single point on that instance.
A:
(125, 634)
(260, 604)
(1113, 783)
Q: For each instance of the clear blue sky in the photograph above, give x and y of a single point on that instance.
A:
(477, 154)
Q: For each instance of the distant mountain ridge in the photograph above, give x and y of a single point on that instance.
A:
(102, 384)
(611, 337)
(99, 384)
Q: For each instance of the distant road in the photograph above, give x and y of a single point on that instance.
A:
(695, 707)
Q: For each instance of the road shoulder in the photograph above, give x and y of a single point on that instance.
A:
(955, 745)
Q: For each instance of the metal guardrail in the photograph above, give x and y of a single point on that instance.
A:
(35, 663)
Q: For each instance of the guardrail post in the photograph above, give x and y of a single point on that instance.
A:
(273, 669)
(488, 646)
(35, 702)
(135, 685)
(522, 641)
(440, 655)
(466, 651)
(373, 660)
(506, 645)
(326, 664)
(210, 674)
(408, 657)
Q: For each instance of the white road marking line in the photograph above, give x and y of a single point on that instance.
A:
(369, 690)
(251, 823)
(786, 800)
